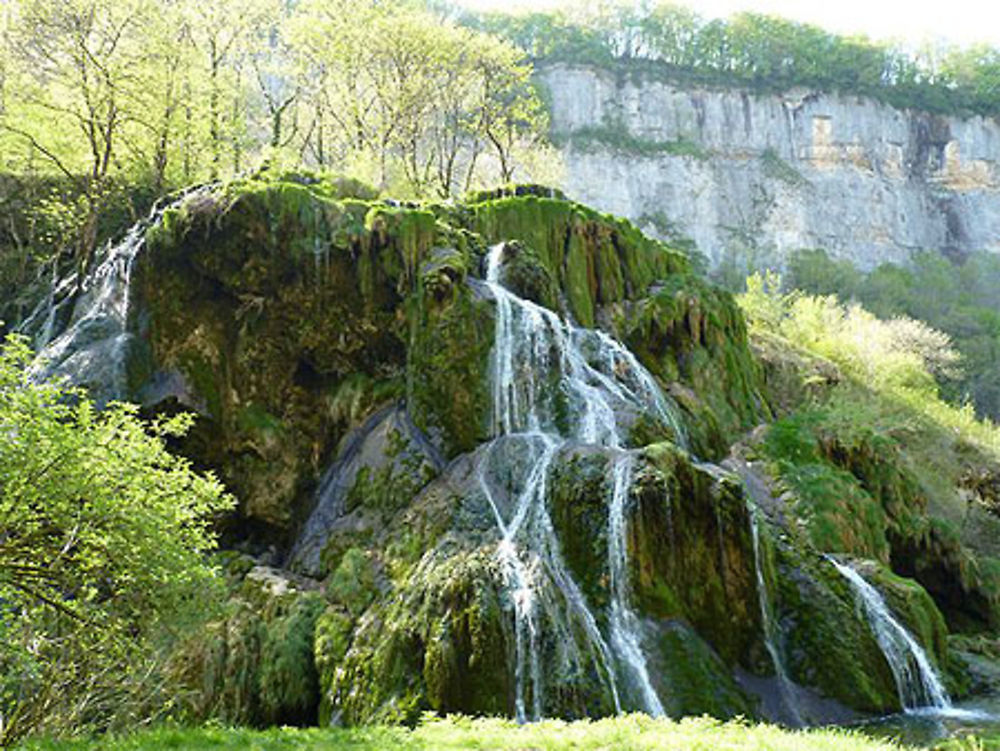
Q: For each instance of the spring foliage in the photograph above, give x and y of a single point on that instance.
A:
(102, 536)
(755, 50)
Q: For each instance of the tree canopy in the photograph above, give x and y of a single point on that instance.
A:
(106, 104)
(758, 51)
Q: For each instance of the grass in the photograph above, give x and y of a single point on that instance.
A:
(615, 136)
(628, 733)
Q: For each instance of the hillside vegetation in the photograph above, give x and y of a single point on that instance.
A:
(756, 51)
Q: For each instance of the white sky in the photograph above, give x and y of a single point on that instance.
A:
(958, 21)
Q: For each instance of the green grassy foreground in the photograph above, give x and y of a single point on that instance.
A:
(633, 732)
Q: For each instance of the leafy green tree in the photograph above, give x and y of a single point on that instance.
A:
(102, 540)
(74, 67)
(410, 101)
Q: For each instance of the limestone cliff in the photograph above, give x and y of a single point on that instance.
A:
(770, 174)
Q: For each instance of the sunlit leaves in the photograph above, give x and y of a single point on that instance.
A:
(102, 537)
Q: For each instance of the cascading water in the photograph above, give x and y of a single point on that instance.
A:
(771, 634)
(624, 625)
(554, 383)
(92, 348)
(917, 682)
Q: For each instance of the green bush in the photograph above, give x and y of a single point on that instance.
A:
(101, 555)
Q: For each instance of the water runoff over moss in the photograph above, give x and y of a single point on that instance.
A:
(555, 384)
(920, 688)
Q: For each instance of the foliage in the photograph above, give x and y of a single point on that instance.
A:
(101, 550)
(753, 50)
(101, 99)
(425, 104)
(637, 732)
(883, 388)
(959, 299)
(615, 135)
(899, 355)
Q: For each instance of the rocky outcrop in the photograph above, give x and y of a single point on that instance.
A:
(763, 175)
(436, 528)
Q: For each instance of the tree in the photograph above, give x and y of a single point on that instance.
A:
(76, 72)
(102, 538)
(419, 101)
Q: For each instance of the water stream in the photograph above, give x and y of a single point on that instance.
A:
(92, 347)
(554, 383)
(624, 623)
(772, 636)
(917, 682)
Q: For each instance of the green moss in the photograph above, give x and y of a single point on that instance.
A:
(334, 628)
(692, 333)
(691, 547)
(695, 680)
(615, 136)
(255, 666)
(526, 275)
(448, 382)
(778, 169)
(828, 643)
(578, 499)
(915, 608)
(594, 258)
(288, 680)
(352, 584)
(439, 644)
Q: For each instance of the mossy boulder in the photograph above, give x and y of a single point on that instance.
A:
(382, 465)
(692, 677)
(255, 666)
(438, 642)
(692, 334)
(692, 551)
(595, 259)
(827, 642)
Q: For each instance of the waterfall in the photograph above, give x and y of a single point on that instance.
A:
(770, 628)
(553, 383)
(93, 347)
(624, 624)
(917, 682)
(97, 335)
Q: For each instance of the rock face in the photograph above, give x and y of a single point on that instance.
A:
(475, 447)
(767, 174)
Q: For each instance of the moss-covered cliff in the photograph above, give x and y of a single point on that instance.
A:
(340, 352)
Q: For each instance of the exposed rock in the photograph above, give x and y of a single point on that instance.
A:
(768, 174)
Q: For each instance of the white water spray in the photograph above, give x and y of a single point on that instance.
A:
(917, 682)
(771, 634)
(552, 383)
(93, 347)
(624, 624)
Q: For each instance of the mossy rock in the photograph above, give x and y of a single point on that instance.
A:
(691, 551)
(596, 259)
(828, 643)
(687, 331)
(255, 666)
(448, 367)
(334, 629)
(691, 677)
(524, 274)
(438, 643)
(579, 497)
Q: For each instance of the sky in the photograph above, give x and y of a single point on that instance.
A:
(958, 21)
